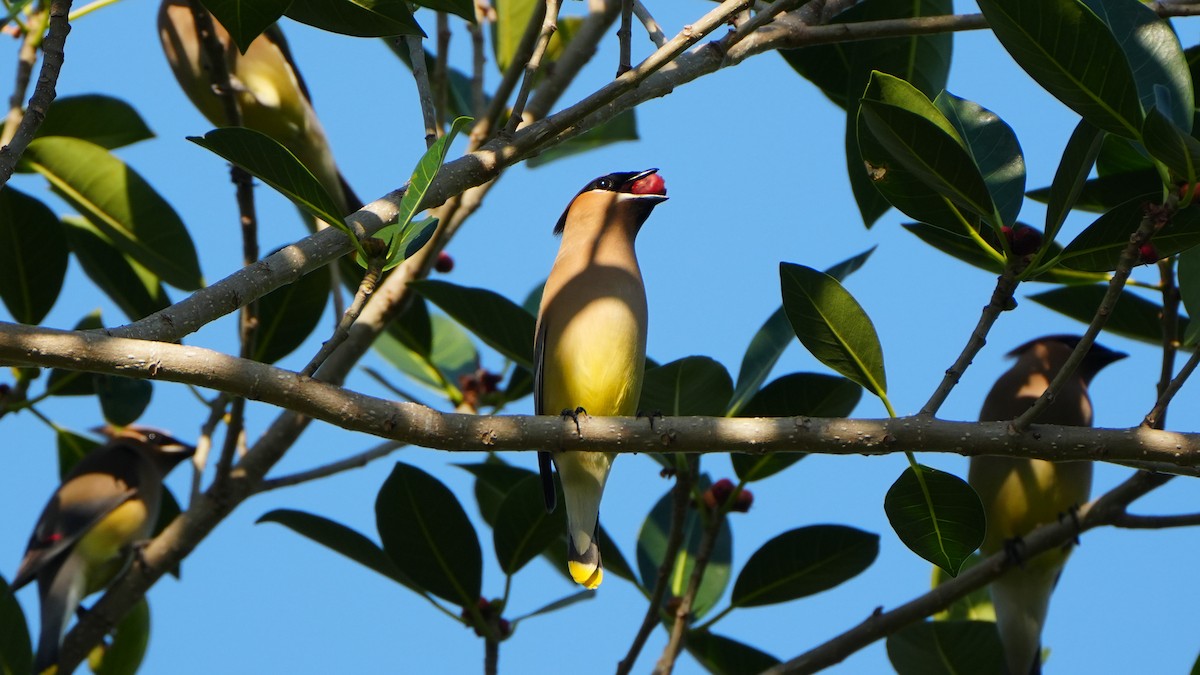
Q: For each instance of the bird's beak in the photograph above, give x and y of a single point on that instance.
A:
(646, 186)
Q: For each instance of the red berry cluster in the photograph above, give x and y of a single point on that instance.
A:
(477, 385)
(490, 611)
(1022, 239)
(718, 494)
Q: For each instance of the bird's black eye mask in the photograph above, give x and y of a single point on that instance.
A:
(621, 181)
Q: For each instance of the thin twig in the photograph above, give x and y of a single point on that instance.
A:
(353, 462)
(652, 27)
(491, 656)
(578, 53)
(681, 499)
(441, 69)
(1170, 333)
(365, 289)
(1153, 418)
(416, 54)
(1130, 521)
(1149, 224)
(1001, 300)
(478, 63)
(549, 25)
(43, 92)
(216, 413)
(625, 37)
(512, 75)
(26, 59)
(1102, 511)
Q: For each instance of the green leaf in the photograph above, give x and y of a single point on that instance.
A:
(1172, 146)
(1156, 59)
(418, 184)
(451, 354)
(246, 19)
(694, 385)
(357, 18)
(289, 314)
(947, 647)
(652, 545)
(71, 448)
(1080, 154)
(512, 16)
(1098, 248)
(33, 256)
(994, 148)
(1121, 155)
(122, 399)
(796, 394)
(723, 656)
(1069, 51)
(75, 382)
(106, 121)
(339, 539)
(499, 322)
(463, 8)
(803, 562)
(567, 601)
(523, 529)
(1189, 291)
(121, 204)
(1133, 317)
(937, 515)
(413, 328)
(919, 137)
(974, 606)
(968, 250)
(16, 650)
(428, 535)
(1109, 191)
(622, 127)
(124, 655)
(134, 289)
(265, 159)
(833, 326)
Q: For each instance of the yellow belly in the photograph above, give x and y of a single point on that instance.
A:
(106, 546)
(596, 362)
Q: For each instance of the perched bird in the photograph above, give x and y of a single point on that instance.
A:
(86, 534)
(270, 92)
(1020, 494)
(590, 344)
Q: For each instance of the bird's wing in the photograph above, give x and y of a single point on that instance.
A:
(61, 526)
(545, 465)
(274, 35)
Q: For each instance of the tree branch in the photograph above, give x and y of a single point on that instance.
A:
(549, 26)
(420, 71)
(353, 462)
(43, 91)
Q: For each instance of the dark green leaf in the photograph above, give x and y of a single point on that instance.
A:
(124, 655)
(833, 326)
(1133, 317)
(994, 147)
(33, 256)
(267, 160)
(803, 562)
(289, 314)
(75, 382)
(920, 138)
(623, 127)
(523, 529)
(246, 19)
(358, 18)
(1069, 51)
(1101, 194)
(453, 354)
(569, 600)
(499, 322)
(1172, 146)
(106, 121)
(694, 385)
(723, 656)
(1121, 155)
(428, 535)
(850, 265)
(1189, 291)
(968, 250)
(1080, 154)
(463, 8)
(414, 194)
(1099, 247)
(937, 515)
(71, 448)
(122, 399)
(132, 287)
(413, 328)
(16, 651)
(339, 539)
(947, 648)
(974, 606)
(168, 510)
(652, 545)
(796, 394)
(119, 202)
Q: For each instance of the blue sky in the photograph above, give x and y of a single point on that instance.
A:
(753, 161)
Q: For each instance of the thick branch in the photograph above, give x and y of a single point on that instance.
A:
(43, 92)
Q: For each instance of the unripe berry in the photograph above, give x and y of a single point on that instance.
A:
(444, 263)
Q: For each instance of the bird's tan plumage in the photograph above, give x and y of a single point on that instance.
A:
(591, 343)
(1020, 494)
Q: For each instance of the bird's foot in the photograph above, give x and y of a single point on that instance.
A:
(650, 416)
(1014, 549)
(574, 415)
(138, 549)
(1073, 514)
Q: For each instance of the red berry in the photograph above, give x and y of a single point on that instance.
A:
(444, 263)
(744, 501)
(1148, 253)
(1025, 240)
(718, 493)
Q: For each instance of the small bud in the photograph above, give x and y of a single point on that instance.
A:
(1148, 253)
(504, 627)
(1025, 240)
(744, 501)
(444, 263)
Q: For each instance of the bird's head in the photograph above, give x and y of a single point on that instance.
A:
(626, 196)
(1097, 357)
(160, 447)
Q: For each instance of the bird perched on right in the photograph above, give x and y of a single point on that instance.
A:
(1020, 494)
(590, 342)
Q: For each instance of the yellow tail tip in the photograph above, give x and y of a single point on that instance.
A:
(588, 576)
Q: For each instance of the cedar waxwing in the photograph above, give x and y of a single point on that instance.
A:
(86, 535)
(590, 344)
(271, 94)
(1020, 494)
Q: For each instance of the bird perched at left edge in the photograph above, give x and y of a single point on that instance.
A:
(86, 535)
(590, 342)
